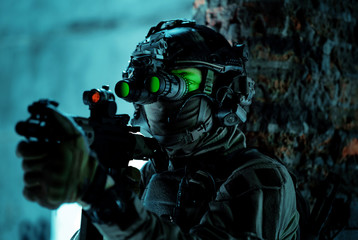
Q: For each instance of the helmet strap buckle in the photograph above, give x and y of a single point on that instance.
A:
(209, 82)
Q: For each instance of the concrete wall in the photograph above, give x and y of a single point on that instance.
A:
(58, 49)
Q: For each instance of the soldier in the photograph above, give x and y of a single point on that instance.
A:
(190, 92)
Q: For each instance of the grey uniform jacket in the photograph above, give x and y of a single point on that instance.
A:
(244, 195)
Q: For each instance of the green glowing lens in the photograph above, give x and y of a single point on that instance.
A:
(123, 88)
(154, 84)
(192, 76)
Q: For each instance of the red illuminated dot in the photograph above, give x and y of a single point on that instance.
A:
(96, 97)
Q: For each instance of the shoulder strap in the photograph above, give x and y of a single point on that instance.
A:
(252, 156)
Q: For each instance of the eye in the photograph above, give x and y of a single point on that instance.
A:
(191, 75)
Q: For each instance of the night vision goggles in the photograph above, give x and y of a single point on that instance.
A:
(179, 59)
(145, 86)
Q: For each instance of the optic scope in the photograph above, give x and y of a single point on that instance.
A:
(100, 101)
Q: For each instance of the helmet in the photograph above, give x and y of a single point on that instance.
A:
(154, 71)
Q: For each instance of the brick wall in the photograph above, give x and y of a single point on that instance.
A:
(303, 56)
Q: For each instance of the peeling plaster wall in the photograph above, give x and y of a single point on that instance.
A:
(58, 49)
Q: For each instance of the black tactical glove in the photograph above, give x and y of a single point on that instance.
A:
(57, 172)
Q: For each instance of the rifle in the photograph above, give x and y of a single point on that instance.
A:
(108, 135)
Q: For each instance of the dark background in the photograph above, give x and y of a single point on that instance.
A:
(303, 57)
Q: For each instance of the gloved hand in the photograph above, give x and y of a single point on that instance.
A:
(57, 172)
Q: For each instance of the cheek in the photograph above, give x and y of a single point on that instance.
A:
(158, 114)
(161, 117)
